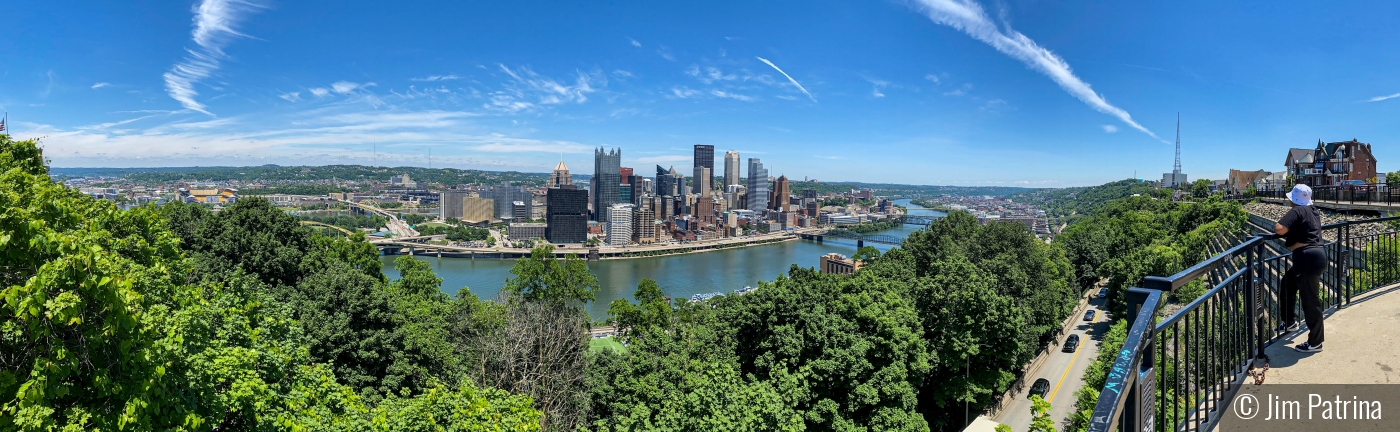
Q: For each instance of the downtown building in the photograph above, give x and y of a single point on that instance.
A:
(451, 204)
(704, 158)
(607, 181)
(644, 225)
(758, 186)
(731, 169)
(619, 224)
(566, 215)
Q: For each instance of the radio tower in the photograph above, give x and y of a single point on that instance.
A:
(1176, 167)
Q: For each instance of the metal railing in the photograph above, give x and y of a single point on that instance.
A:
(1176, 373)
(1371, 194)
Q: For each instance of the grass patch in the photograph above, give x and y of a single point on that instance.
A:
(607, 343)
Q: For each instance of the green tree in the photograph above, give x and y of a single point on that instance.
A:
(414, 218)
(544, 277)
(652, 313)
(1392, 178)
(1200, 188)
(1040, 415)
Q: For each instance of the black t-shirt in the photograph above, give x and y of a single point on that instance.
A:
(1304, 226)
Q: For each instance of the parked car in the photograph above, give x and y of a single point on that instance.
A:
(1040, 388)
(1072, 343)
(1089, 316)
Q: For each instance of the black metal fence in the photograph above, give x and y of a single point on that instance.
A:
(1372, 194)
(1177, 372)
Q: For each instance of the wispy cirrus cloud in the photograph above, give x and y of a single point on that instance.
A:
(635, 43)
(730, 95)
(215, 23)
(528, 89)
(1381, 98)
(789, 77)
(100, 85)
(1110, 129)
(431, 78)
(969, 17)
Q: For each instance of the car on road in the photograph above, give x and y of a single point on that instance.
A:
(1040, 388)
(1072, 343)
(1103, 292)
(1089, 316)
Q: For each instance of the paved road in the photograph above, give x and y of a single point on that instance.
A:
(1065, 371)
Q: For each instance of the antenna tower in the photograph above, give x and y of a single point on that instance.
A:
(1176, 168)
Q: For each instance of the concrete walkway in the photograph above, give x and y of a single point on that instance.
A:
(1361, 346)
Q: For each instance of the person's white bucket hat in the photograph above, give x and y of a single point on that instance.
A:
(1301, 195)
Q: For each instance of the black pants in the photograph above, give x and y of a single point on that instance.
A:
(1305, 275)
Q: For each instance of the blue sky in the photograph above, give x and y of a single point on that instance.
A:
(949, 92)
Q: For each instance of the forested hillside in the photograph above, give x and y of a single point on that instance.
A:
(1085, 200)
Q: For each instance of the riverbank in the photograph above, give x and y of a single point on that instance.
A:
(391, 247)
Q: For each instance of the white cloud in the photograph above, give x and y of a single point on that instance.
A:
(100, 85)
(1110, 128)
(214, 28)
(969, 17)
(548, 91)
(684, 92)
(431, 78)
(728, 95)
(966, 87)
(1374, 99)
(347, 87)
(291, 96)
(933, 78)
(789, 77)
(879, 84)
(635, 43)
(320, 92)
(315, 137)
(622, 73)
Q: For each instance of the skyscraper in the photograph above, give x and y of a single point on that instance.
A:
(731, 168)
(505, 195)
(758, 185)
(560, 176)
(663, 182)
(619, 224)
(781, 194)
(566, 215)
(607, 169)
(702, 186)
(704, 157)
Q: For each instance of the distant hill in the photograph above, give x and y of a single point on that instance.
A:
(1083, 200)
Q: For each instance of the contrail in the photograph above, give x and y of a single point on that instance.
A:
(789, 77)
(968, 16)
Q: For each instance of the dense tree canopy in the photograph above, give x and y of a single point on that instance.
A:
(948, 317)
(177, 318)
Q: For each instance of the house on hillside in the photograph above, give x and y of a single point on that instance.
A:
(1330, 164)
(1240, 181)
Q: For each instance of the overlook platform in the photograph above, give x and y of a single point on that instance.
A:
(1362, 346)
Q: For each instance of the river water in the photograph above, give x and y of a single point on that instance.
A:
(680, 276)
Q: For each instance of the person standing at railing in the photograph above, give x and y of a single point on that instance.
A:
(1301, 229)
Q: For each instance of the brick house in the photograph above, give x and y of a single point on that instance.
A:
(1329, 164)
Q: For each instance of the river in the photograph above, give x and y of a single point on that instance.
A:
(680, 276)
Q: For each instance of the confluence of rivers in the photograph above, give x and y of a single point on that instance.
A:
(680, 276)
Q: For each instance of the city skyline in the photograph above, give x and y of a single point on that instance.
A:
(872, 92)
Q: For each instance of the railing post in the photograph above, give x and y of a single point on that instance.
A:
(1254, 302)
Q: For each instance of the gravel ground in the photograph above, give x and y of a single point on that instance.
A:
(1276, 211)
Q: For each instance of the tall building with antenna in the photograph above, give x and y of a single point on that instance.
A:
(1176, 177)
